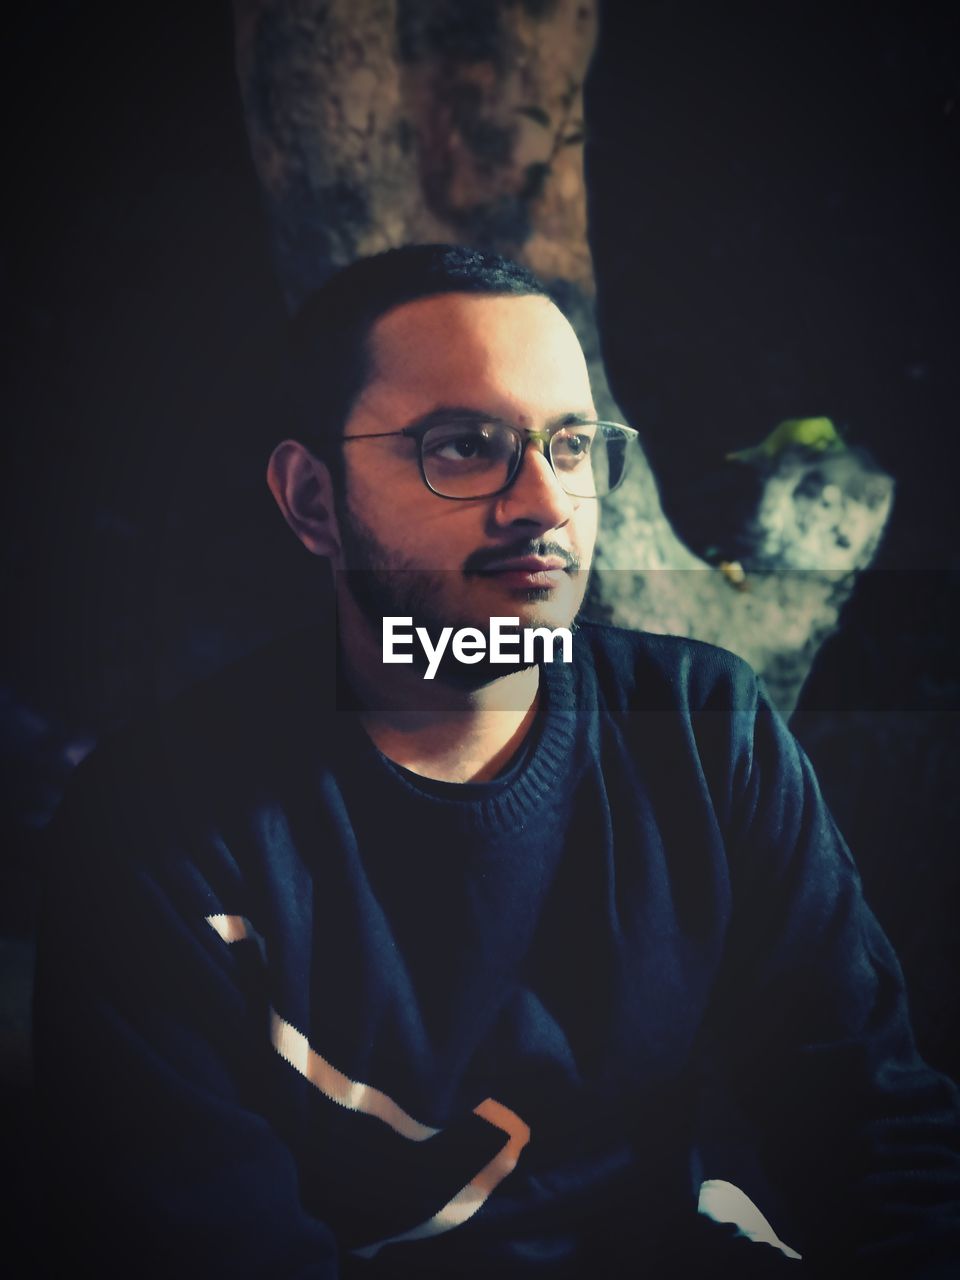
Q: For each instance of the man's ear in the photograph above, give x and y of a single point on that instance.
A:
(302, 488)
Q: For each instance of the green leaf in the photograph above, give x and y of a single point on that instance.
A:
(816, 434)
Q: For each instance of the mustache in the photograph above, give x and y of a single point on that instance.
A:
(480, 561)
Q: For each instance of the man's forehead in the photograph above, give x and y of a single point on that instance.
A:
(518, 345)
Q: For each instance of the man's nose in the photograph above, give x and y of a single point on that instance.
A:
(536, 496)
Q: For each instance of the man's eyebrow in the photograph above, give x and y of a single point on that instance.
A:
(573, 419)
(469, 413)
(446, 412)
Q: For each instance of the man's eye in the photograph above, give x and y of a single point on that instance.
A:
(571, 447)
(461, 446)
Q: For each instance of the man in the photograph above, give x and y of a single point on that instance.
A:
(351, 971)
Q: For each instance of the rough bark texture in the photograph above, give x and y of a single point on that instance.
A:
(380, 122)
(375, 123)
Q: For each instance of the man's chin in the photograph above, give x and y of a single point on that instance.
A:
(476, 676)
(535, 606)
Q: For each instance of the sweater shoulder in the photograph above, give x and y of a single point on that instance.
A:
(638, 670)
(173, 799)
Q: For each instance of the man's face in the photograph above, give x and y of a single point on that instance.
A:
(525, 553)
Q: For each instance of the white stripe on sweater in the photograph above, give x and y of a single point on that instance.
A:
(293, 1047)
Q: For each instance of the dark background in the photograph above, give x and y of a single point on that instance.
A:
(774, 208)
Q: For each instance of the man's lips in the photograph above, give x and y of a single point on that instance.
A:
(525, 564)
(527, 572)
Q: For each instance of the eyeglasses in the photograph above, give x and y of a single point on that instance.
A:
(481, 457)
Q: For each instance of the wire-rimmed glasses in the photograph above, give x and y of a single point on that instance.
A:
(478, 457)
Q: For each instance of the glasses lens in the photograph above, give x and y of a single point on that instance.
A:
(590, 458)
(469, 459)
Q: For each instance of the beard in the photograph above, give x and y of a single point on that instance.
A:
(384, 584)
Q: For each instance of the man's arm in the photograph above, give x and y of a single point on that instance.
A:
(150, 1053)
(811, 1021)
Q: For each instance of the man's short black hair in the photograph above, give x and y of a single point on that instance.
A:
(330, 331)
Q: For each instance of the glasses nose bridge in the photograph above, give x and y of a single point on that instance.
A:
(528, 436)
(532, 433)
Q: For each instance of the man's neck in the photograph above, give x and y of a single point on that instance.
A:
(473, 744)
(434, 727)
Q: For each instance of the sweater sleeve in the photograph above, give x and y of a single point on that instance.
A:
(149, 1035)
(860, 1137)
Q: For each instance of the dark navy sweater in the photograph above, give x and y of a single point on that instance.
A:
(301, 1015)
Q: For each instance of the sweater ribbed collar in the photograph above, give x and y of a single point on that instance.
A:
(506, 804)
